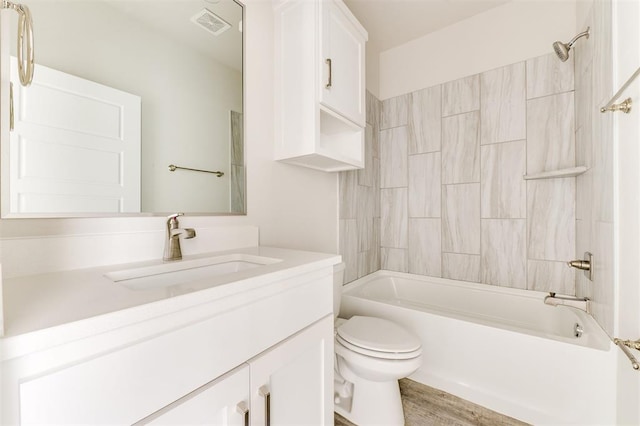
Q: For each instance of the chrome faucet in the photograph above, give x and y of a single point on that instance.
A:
(172, 249)
(583, 304)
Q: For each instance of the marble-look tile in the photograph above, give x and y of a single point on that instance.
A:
(461, 148)
(237, 189)
(376, 187)
(463, 267)
(550, 276)
(349, 248)
(504, 252)
(237, 139)
(603, 168)
(585, 196)
(373, 110)
(364, 217)
(424, 185)
(461, 218)
(366, 175)
(550, 133)
(394, 112)
(584, 287)
(584, 146)
(462, 95)
(393, 157)
(375, 244)
(394, 218)
(348, 192)
(366, 263)
(551, 219)
(425, 117)
(601, 37)
(503, 189)
(547, 75)
(603, 275)
(393, 259)
(425, 257)
(585, 106)
(503, 104)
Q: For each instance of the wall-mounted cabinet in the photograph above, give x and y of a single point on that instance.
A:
(320, 85)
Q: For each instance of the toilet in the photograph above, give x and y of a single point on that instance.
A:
(371, 355)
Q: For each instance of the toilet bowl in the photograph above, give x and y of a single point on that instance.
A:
(372, 354)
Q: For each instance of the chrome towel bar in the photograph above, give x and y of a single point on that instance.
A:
(173, 168)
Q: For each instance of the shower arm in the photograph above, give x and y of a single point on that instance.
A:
(582, 34)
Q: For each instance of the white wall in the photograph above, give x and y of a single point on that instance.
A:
(294, 207)
(501, 36)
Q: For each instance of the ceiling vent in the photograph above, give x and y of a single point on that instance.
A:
(210, 22)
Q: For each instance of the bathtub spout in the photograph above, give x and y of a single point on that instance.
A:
(583, 304)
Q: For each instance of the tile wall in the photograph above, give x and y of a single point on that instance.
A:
(453, 201)
(360, 204)
(594, 148)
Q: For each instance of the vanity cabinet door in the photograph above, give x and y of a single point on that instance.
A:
(292, 383)
(224, 401)
(343, 49)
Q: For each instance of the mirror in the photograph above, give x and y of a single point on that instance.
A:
(122, 90)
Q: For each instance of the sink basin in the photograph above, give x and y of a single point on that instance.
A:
(184, 271)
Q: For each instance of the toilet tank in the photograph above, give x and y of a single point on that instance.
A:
(338, 279)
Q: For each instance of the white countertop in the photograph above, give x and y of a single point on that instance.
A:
(85, 299)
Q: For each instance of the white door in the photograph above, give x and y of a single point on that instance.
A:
(75, 147)
(345, 47)
(292, 383)
(222, 402)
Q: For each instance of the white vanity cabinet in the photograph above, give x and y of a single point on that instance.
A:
(203, 363)
(320, 85)
(222, 402)
(289, 382)
(279, 387)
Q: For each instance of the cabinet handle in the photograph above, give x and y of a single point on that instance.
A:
(242, 408)
(264, 392)
(328, 62)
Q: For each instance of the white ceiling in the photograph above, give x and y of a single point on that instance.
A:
(391, 23)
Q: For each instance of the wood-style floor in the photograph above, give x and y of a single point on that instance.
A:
(426, 406)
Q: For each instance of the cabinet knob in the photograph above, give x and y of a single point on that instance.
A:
(328, 62)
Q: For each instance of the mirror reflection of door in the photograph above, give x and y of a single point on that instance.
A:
(182, 59)
(75, 146)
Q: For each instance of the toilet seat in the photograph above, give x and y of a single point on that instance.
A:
(377, 337)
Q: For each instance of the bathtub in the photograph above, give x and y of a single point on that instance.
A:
(498, 347)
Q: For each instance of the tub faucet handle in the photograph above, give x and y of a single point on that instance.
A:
(585, 264)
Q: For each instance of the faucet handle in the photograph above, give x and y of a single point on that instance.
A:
(174, 216)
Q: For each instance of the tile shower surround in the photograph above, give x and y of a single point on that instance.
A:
(442, 192)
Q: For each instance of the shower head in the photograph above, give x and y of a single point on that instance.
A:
(562, 49)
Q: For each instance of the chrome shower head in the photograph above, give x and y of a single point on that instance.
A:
(562, 49)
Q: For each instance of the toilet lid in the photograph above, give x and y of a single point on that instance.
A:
(378, 334)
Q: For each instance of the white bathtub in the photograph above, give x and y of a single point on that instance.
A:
(498, 347)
